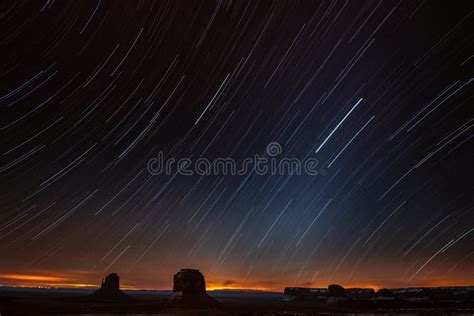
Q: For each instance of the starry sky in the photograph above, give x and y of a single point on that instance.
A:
(378, 92)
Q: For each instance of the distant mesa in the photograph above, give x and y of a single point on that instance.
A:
(305, 293)
(334, 293)
(385, 294)
(110, 290)
(336, 290)
(338, 294)
(189, 289)
(361, 293)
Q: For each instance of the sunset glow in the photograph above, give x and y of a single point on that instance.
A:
(36, 278)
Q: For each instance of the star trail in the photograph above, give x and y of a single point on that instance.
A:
(378, 93)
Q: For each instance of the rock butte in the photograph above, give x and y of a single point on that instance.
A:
(189, 288)
(110, 290)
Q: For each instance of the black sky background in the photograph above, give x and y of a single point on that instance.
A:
(90, 91)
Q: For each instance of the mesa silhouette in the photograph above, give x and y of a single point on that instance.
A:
(110, 290)
(189, 297)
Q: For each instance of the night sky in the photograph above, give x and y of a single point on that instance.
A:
(380, 93)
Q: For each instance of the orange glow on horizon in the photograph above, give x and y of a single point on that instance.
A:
(43, 281)
(79, 281)
(27, 277)
(237, 287)
(364, 286)
(213, 286)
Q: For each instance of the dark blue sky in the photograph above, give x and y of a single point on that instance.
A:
(378, 92)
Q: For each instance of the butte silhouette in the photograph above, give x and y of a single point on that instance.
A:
(110, 290)
(189, 289)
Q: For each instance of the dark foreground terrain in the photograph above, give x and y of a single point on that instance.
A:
(16, 301)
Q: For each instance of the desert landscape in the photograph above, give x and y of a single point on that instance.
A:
(189, 297)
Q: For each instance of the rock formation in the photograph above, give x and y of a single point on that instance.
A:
(336, 290)
(385, 294)
(112, 282)
(360, 293)
(305, 294)
(189, 289)
(336, 294)
(189, 281)
(110, 290)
